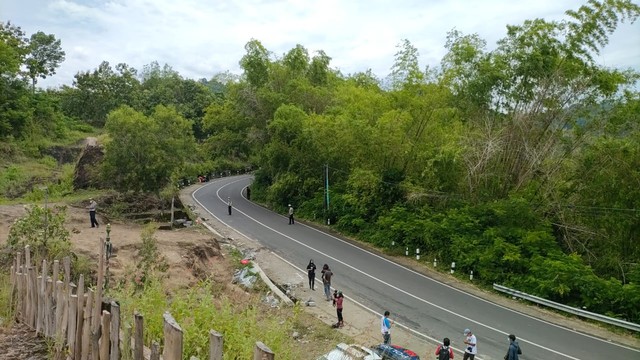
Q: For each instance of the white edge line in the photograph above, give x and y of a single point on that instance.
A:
(401, 290)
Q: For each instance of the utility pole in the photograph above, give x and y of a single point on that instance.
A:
(46, 215)
(326, 177)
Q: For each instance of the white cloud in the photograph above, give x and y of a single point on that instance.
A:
(199, 38)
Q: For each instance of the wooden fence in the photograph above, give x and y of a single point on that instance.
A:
(84, 325)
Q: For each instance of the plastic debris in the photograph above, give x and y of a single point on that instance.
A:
(245, 277)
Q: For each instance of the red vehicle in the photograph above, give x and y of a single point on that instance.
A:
(395, 352)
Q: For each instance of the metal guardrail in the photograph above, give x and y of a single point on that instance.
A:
(568, 309)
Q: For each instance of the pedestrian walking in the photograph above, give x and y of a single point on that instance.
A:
(327, 274)
(337, 303)
(471, 348)
(385, 327)
(93, 206)
(514, 349)
(229, 205)
(443, 351)
(311, 272)
(291, 222)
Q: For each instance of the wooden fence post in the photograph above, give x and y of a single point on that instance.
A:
(19, 295)
(80, 317)
(155, 351)
(86, 327)
(172, 338)
(138, 349)
(262, 352)
(73, 322)
(48, 308)
(115, 331)
(41, 289)
(106, 335)
(59, 328)
(28, 303)
(67, 272)
(97, 304)
(33, 297)
(126, 342)
(215, 345)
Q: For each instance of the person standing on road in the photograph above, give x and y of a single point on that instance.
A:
(470, 342)
(229, 205)
(92, 212)
(291, 222)
(337, 303)
(514, 349)
(326, 281)
(311, 272)
(443, 351)
(385, 328)
(248, 193)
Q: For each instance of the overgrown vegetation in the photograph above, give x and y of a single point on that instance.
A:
(518, 163)
(239, 315)
(43, 230)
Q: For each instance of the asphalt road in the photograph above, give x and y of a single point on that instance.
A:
(428, 307)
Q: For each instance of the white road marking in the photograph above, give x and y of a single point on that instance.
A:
(396, 288)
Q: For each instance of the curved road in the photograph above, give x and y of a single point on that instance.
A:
(425, 306)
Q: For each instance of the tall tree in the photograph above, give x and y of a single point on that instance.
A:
(45, 55)
(255, 63)
(406, 69)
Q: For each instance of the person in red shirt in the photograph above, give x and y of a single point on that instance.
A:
(337, 302)
(443, 351)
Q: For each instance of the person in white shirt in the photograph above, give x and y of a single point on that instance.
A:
(470, 343)
(92, 213)
(291, 222)
(385, 328)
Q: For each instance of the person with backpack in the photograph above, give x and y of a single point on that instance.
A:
(443, 351)
(514, 349)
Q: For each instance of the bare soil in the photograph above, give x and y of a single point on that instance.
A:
(191, 254)
(195, 253)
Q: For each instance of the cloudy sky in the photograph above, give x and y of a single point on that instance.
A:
(200, 38)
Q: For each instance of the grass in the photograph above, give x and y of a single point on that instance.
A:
(240, 316)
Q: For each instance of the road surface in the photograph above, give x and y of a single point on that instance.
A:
(428, 307)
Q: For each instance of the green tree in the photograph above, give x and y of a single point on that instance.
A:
(406, 69)
(296, 61)
(45, 55)
(144, 152)
(13, 49)
(255, 63)
(96, 93)
(319, 69)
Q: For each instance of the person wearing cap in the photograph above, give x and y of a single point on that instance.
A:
(92, 212)
(514, 349)
(470, 342)
(291, 222)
